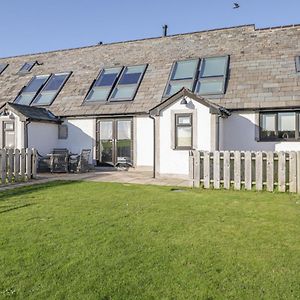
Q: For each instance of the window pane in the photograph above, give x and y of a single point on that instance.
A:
(184, 137)
(184, 69)
(3, 67)
(286, 125)
(108, 77)
(286, 121)
(106, 130)
(132, 75)
(25, 99)
(214, 66)
(27, 67)
(9, 139)
(268, 122)
(210, 87)
(44, 98)
(184, 120)
(55, 82)
(9, 126)
(98, 94)
(124, 130)
(123, 92)
(35, 84)
(175, 86)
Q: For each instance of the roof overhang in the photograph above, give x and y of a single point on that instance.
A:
(184, 92)
(29, 113)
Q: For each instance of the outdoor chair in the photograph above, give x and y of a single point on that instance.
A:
(80, 163)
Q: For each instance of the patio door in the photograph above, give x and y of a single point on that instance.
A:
(114, 142)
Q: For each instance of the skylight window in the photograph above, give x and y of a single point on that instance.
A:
(183, 74)
(102, 86)
(42, 89)
(26, 68)
(51, 89)
(128, 83)
(205, 78)
(3, 67)
(29, 92)
(212, 76)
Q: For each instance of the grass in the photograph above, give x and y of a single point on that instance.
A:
(80, 240)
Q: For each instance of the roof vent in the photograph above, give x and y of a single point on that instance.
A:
(165, 30)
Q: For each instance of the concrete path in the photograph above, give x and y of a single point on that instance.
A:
(131, 176)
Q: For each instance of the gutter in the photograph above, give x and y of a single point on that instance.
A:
(26, 133)
(154, 146)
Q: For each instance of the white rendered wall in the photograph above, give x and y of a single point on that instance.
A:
(81, 135)
(19, 129)
(177, 161)
(238, 133)
(42, 136)
(144, 141)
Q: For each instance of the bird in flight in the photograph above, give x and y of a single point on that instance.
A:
(236, 5)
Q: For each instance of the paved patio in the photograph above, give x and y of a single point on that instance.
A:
(123, 176)
(131, 176)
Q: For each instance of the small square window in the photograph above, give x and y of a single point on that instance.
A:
(26, 68)
(62, 132)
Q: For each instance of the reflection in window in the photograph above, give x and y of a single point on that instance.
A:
(279, 126)
(183, 131)
(128, 83)
(212, 76)
(3, 67)
(29, 92)
(51, 89)
(182, 75)
(27, 67)
(103, 84)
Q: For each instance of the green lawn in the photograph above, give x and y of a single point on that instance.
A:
(80, 240)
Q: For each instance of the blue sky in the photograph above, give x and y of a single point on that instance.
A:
(29, 26)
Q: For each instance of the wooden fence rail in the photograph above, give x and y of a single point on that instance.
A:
(17, 165)
(246, 169)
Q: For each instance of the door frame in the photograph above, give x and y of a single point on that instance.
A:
(114, 139)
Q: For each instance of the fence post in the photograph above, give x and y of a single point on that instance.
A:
(216, 165)
(259, 171)
(9, 164)
(281, 171)
(206, 169)
(270, 171)
(293, 172)
(298, 172)
(17, 164)
(34, 163)
(3, 166)
(28, 163)
(23, 164)
(237, 170)
(248, 170)
(226, 162)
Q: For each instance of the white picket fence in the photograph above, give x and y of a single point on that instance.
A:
(17, 165)
(246, 170)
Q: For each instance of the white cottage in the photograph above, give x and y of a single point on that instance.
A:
(147, 103)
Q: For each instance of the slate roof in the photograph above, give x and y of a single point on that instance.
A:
(262, 71)
(33, 113)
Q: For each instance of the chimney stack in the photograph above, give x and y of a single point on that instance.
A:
(165, 30)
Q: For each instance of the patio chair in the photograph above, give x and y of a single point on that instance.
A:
(44, 162)
(80, 163)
